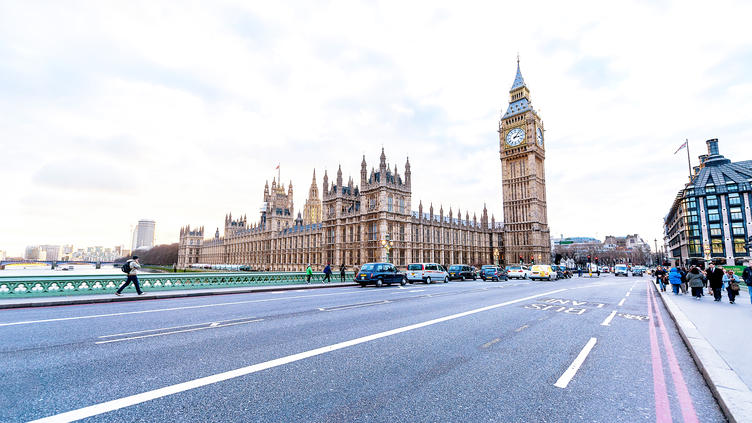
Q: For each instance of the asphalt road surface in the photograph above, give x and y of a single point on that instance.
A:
(590, 350)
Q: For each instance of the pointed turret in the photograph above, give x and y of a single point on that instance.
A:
(382, 162)
(430, 211)
(363, 172)
(420, 209)
(325, 184)
(339, 177)
(408, 174)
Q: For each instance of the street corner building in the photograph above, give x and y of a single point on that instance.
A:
(374, 220)
(710, 218)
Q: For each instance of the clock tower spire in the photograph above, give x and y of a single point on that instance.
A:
(521, 133)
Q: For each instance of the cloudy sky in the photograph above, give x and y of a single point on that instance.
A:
(179, 111)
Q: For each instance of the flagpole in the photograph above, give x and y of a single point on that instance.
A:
(689, 164)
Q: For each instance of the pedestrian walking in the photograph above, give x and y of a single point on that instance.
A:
(715, 280)
(130, 267)
(308, 273)
(342, 272)
(731, 282)
(694, 280)
(327, 273)
(660, 276)
(747, 276)
(674, 278)
(579, 271)
(684, 284)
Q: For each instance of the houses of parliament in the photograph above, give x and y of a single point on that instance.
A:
(376, 220)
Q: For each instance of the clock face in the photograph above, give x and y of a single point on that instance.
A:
(515, 137)
(539, 137)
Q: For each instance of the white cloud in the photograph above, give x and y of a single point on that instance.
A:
(204, 100)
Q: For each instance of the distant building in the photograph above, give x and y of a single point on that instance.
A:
(628, 243)
(3, 255)
(31, 252)
(143, 235)
(710, 217)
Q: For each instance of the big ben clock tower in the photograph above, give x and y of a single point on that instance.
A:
(523, 153)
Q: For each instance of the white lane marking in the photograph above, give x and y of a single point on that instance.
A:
(609, 318)
(212, 326)
(353, 306)
(151, 330)
(521, 328)
(627, 294)
(128, 401)
(572, 370)
(416, 290)
(125, 313)
(621, 303)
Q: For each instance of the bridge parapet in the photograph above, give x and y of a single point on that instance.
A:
(41, 286)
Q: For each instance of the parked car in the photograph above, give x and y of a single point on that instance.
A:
(621, 270)
(542, 271)
(493, 273)
(518, 272)
(379, 274)
(426, 272)
(462, 272)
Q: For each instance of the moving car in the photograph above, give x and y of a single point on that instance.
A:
(379, 274)
(562, 272)
(426, 272)
(462, 272)
(518, 272)
(543, 271)
(638, 271)
(492, 273)
(621, 270)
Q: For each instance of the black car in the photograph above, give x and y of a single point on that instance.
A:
(493, 273)
(462, 272)
(379, 274)
(637, 271)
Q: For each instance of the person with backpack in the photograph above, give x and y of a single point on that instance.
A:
(308, 273)
(327, 273)
(130, 267)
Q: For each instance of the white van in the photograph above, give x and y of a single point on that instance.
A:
(426, 272)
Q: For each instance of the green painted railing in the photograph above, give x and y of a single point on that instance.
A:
(40, 286)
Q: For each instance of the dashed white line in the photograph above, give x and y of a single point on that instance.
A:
(627, 294)
(105, 407)
(212, 326)
(572, 370)
(609, 318)
(621, 303)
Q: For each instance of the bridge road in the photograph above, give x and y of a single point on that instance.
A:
(518, 351)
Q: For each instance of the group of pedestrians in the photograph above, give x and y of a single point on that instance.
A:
(696, 279)
(327, 273)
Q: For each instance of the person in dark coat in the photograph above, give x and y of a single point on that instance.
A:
(327, 273)
(731, 281)
(715, 280)
(342, 272)
(660, 274)
(747, 276)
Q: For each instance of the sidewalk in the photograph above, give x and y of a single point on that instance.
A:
(716, 335)
(130, 295)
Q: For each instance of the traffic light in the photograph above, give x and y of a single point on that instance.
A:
(588, 258)
(596, 259)
(532, 259)
(521, 260)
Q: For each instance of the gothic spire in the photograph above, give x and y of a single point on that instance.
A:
(518, 80)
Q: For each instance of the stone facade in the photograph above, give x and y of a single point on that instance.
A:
(361, 223)
(523, 153)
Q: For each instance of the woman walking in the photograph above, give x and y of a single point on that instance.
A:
(675, 279)
(694, 279)
(660, 274)
(715, 280)
(731, 282)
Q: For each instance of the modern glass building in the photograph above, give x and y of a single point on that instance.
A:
(710, 218)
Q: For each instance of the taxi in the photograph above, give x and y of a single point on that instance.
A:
(542, 271)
